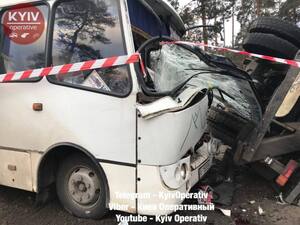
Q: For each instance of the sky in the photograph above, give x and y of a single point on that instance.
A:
(228, 25)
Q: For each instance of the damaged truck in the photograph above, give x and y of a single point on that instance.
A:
(267, 139)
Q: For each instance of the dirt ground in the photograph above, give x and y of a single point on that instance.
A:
(17, 208)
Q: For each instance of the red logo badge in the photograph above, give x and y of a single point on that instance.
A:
(23, 24)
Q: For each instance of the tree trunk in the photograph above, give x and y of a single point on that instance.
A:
(258, 7)
(224, 31)
(74, 40)
(215, 33)
(233, 27)
(204, 22)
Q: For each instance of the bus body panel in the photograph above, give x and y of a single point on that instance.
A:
(166, 139)
(102, 124)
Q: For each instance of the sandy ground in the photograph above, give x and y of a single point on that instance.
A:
(17, 208)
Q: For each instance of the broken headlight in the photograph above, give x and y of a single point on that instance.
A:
(176, 175)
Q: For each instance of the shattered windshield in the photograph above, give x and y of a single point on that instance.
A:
(172, 65)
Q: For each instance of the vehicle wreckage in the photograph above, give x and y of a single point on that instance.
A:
(96, 133)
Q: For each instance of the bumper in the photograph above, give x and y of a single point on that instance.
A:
(156, 197)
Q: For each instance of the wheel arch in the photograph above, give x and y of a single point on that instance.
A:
(48, 165)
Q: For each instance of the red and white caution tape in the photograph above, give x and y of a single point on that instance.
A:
(75, 67)
(119, 61)
(293, 63)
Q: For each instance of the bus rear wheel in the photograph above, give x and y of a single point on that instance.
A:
(80, 187)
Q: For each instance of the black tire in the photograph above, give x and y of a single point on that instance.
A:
(68, 167)
(269, 44)
(225, 125)
(282, 29)
(268, 76)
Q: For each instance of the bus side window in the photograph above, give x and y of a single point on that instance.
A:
(86, 30)
(23, 43)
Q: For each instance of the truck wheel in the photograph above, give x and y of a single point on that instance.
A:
(269, 44)
(81, 188)
(225, 125)
(283, 29)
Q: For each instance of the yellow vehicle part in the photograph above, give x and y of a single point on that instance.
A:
(290, 100)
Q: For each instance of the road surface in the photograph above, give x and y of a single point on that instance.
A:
(17, 208)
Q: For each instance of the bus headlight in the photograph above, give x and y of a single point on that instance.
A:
(175, 175)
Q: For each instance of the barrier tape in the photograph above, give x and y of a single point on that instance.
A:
(75, 67)
(293, 63)
(122, 60)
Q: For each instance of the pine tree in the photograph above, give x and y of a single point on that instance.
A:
(290, 10)
(216, 12)
(205, 12)
(248, 11)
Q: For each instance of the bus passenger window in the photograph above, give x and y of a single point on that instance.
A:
(86, 30)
